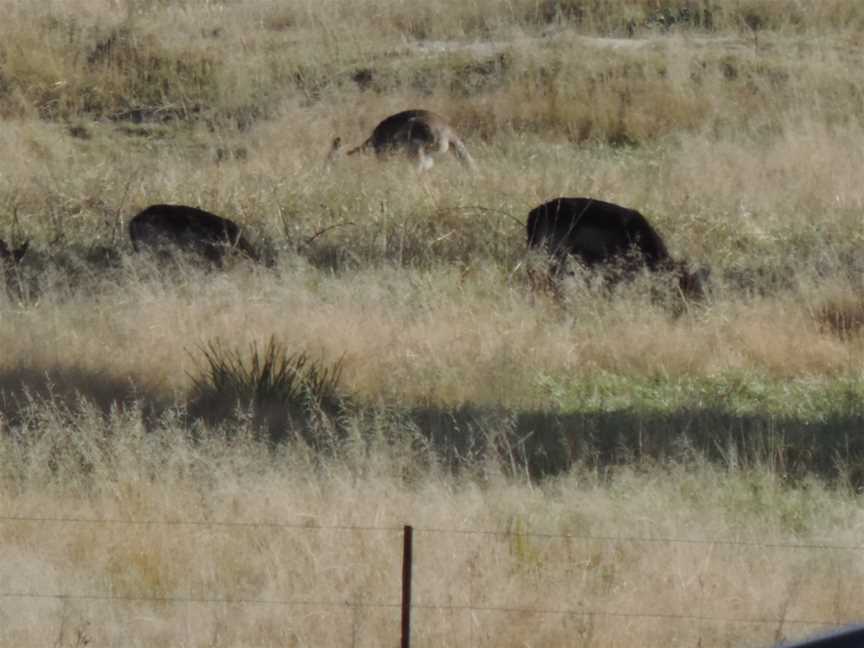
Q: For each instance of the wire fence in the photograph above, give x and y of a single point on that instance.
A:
(301, 526)
(427, 537)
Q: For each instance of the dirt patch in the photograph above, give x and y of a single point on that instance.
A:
(489, 48)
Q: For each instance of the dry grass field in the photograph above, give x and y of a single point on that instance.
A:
(647, 475)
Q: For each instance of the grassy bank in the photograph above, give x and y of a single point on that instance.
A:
(308, 546)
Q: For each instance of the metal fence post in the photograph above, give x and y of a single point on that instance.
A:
(407, 551)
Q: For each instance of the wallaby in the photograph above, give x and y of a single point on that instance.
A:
(160, 227)
(608, 237)
(419, 134)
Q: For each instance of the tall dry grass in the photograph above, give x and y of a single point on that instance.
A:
(431, 337)
(226, 520)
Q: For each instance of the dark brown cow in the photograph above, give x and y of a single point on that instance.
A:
(607, 237)
(188, 229)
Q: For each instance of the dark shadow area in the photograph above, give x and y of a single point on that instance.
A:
(23, 387)
(547, 443)
(67, 270)
(542, 444)
(538, 444)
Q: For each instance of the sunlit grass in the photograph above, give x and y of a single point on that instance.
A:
(203, 501)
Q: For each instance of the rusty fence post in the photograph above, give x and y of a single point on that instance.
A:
(407, 557)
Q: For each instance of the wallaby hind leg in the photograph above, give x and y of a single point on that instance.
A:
(461, 152)
(424, 161)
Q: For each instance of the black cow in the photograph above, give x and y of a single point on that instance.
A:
(163, 227)
(606, 237)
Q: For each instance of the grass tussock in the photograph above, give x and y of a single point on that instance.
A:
(278, 388)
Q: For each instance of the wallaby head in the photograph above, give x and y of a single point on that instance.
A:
(608, 237)
(165, 227)
(419, 134)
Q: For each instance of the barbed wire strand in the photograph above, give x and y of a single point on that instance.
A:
(634, 615)
(645, 539)
(587, 537)
(200, 523)
(178, 600)
(217, 600)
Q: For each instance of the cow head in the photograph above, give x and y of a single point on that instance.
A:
(11, 258)
(693, 284)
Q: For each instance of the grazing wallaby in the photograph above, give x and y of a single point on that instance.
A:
(604, 236)
(416, 133)
(161, 227)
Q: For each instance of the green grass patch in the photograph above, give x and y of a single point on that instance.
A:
(806, 400)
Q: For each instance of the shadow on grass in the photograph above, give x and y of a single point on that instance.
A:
(21, 387)
(537, 443)
(546, 443)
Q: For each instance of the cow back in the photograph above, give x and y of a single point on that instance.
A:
(594, 231)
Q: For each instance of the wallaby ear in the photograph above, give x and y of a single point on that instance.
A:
(335, 149)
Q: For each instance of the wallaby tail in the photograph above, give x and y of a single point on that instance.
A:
(362, 148)
(461, 152)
